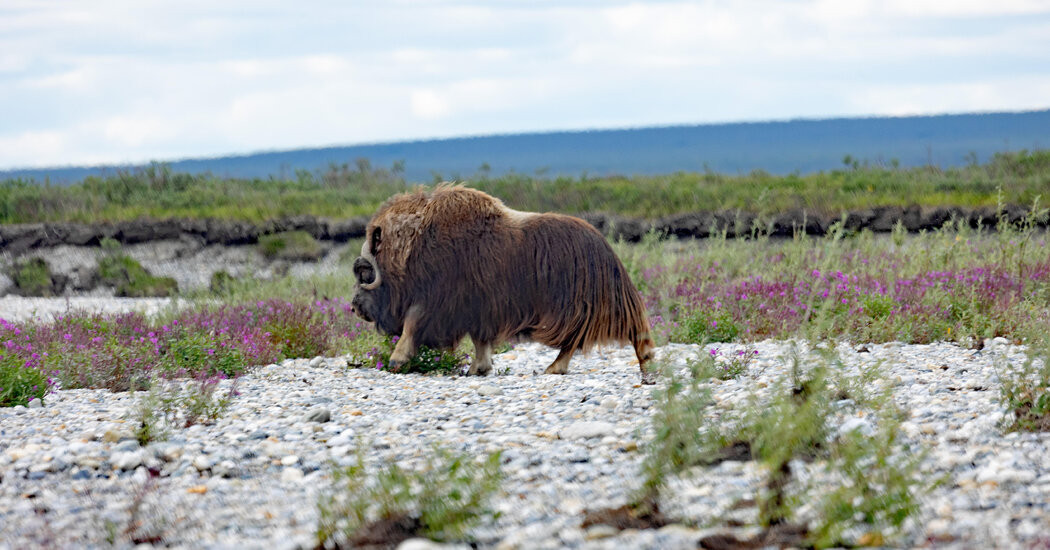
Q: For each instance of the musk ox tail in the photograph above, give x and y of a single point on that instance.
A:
(590, 298)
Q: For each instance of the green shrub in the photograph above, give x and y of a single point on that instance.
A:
(726, 366)
(20, 384)
(871, 482)
(1025, 389)
(33, 277)
(678, 425)
(201, 353)
(291, 246)
(131, 280)
(880, 488)
(703, 326)
(441, 502)
(426, 360)
(171, 405)
(299, 334)
(221, 282)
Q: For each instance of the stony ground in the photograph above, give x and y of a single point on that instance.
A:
(71, 476)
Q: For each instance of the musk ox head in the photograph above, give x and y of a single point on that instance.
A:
(371, 299)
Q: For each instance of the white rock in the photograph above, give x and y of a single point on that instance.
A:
(289, 460)
(586, 429)
(857, 424)
(127, 461)
(427, 544)
(204, 462)
(291, 475)
(340, 450)
(345, 438)
(596, 532)
(489, 390)
(19, 453)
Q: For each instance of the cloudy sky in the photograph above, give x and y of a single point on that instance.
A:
(111, 81)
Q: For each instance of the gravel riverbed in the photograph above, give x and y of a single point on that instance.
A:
(71, 476)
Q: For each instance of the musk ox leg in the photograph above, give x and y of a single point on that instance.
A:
(561, 363)
(643, 348)
(406, 343)
(482, 362)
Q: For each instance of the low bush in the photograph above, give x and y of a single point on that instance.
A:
(22, 380)
(860, 487)
(1025, 387)
(442, 502)
(32, 277)
(291, 246)
(170, 405)
(130, 280)
(425, 361)
(221, 283)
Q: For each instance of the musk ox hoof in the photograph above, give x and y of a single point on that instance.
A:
(395, 365)
(648, 378)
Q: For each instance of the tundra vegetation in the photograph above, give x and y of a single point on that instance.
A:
(290, 245)
(861, 483)
(956, 284)
(128, 278)
(441, 501)
(357, 190)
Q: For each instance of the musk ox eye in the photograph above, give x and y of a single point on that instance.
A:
(363, 271)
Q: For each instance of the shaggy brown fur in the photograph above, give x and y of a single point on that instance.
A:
(454, 261)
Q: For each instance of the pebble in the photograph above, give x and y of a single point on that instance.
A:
(127, 460)
(319, 414)
(586, 429)
(596, 532)
(569, 443)
(489, 390)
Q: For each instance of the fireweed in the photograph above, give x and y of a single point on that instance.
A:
(954, 286)
(122, 352)
(957, 285)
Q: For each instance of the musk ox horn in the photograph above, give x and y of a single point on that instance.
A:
(367, 270)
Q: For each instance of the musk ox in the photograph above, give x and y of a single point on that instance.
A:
(451, 262)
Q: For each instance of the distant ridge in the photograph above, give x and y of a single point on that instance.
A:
(778, 147)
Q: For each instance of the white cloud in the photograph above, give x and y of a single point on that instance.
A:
(120, 80)
(429, 104)
(964, 8)
(138, 129)
(20, 149)
(1000, 94)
